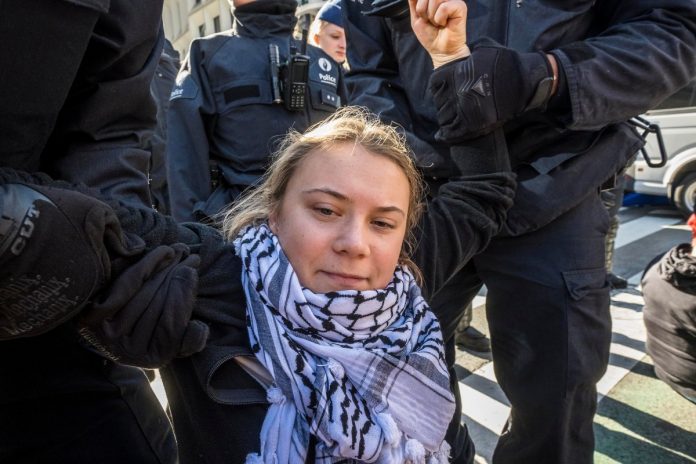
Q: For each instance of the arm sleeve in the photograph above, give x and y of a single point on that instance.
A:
(645, 52)
(190, 114)
(466, 213)
(106, 123)
(469, 210)
(373, 80)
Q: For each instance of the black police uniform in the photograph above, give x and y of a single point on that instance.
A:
(548, 302)
(223, 124)
(161, 88)
(75, 104)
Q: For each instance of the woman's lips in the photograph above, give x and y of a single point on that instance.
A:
(348, 280)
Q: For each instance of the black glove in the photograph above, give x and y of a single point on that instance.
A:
(144, 317)
(493, 85)
(218, 293)
(215, 288)
(216, 297)
(57, 249)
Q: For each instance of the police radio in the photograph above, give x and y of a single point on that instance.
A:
(296, 75)
(289, 80)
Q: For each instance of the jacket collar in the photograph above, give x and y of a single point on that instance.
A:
(265, 18)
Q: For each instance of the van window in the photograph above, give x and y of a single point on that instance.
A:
(682, 98)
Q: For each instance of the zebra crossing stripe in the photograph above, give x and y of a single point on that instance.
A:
(485, 408)
(642, 227)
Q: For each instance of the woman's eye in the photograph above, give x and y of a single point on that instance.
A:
(383, 224)
(324, 211)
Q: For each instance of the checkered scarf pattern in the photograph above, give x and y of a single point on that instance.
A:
(363, 371)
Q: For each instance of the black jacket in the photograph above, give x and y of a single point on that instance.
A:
(618, 58)
(161, 87)
(669, 290)
(85, 114)
(222, 117)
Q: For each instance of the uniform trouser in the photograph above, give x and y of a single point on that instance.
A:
(450, 305)
(548, 314)
(62, 404)
(612, 199)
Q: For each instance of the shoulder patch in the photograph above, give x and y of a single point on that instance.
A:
(324, 70)
(185, 87)
(325, 64)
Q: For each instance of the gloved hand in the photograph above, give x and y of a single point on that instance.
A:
(57, 248)
(216, 291)
(493, 85)
(151, 332)
(144, 317)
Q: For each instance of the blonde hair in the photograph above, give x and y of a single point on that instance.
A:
(347, 125)
(315, 29)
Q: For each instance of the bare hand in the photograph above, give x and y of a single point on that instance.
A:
(440, 26)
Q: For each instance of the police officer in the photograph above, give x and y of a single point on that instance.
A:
(76, 106)
(326, 31)
(161, 87)
(559, 80)
(234, 100)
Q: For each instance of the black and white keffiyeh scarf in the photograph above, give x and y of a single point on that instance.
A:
(363, 371)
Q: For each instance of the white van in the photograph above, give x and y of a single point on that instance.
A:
(676, 117)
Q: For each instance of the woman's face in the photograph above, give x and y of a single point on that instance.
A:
(332, 39)
(342, 219)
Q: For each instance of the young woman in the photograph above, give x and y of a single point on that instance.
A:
(331, 328)
(335, 314)
(332, 354)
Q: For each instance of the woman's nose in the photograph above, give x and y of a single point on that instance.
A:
(353, 241)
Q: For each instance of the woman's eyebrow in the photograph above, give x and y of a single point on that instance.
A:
(390, 209)
(327, 191)
(340, 196)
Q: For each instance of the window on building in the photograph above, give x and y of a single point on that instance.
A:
(201, 30)
(216, 24)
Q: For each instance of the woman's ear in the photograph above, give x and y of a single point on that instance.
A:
(316, 39)
(273, 222)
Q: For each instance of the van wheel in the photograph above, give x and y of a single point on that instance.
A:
(683, 196)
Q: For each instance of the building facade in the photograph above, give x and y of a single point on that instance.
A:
(185, 20)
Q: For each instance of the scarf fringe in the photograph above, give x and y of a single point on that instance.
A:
(253, 458)
(275, 395)
(392, 434)
(443, 454)
(414, 452)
